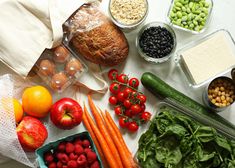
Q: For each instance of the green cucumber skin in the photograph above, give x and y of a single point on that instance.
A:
(159, 87)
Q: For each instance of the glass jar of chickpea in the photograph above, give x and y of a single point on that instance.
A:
(220, 94)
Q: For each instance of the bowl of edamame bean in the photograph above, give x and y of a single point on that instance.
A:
(190, 15)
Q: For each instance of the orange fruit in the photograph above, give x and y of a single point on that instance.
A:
(18, 110)
(36, 101)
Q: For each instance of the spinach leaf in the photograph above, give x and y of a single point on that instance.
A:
(205, 134)
(168, 156)
(222, 142)
(231, 164)
(202, 155)
(175, 129)
(186, 145)
(190, 161)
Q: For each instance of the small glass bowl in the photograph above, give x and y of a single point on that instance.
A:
(145, 56)
(128, 27)
(188, 30)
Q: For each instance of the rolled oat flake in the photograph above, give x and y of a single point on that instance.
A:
(128, 11)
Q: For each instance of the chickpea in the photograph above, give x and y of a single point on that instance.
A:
(222, 97)
(213, 101)
(222, 88)
(218, 99)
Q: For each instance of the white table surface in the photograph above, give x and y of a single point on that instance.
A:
(222, 18)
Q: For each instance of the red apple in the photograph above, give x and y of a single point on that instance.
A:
(31, 133)
(66, 113)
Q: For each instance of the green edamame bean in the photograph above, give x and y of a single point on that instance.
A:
(184, 13)
(202, 15)
(178, 4)
(188, 10)
(184, 18)
(178, 8)
(172, 14)
(206, 5)
(190, 5)
(184, 9)
(178, 22)
(195, 22)
(197, 28)
(179, 14)
(191, 25)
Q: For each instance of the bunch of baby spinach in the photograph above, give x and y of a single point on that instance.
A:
(174, 140)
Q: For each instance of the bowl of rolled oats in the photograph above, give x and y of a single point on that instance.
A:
(128, 15)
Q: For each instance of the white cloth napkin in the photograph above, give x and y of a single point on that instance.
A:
(29, 26)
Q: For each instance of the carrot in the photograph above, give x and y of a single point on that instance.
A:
(88, 127)
(104, 146)
(125, 156)
(104, 132)
(117, 131)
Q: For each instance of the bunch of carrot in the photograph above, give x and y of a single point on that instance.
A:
(108, 139)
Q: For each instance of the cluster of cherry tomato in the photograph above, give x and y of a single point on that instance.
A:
(129, 103)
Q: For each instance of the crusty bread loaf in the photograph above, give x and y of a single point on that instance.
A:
(96, 38)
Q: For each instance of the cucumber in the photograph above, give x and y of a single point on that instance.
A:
(159, 88)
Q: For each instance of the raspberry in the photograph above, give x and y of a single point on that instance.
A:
(59, 155)
(95, 165)
(64, 166)
(78, 149)
(86, 150)
(72, 164)
(61, 147)
(52, 165)
(86, 143)
(69, 147)
(81, 160)
(77, 141)
(91, 157)
(73, 156)
(48, 157)
(64, 158)
(59, 164)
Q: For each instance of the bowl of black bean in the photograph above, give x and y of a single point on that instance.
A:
(156, 42)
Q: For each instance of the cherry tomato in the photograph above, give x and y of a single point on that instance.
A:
(114, 88)
(127, 103)
(142, 98)
(123, 78)
(134, 94)
(127, 91)
(133, 126)
(145, 116)
(118, 110)
(123, 122)
(113, 74)
(121, 96)
(113, 100)
(136, 109)
(128, 113)
(134, 82)
(142, 106)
